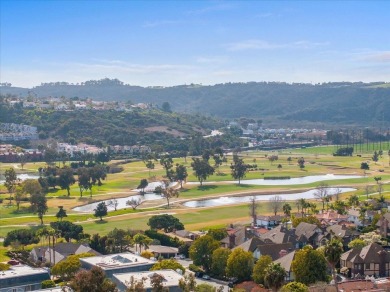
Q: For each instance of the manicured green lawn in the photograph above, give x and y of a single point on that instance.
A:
(319, 160)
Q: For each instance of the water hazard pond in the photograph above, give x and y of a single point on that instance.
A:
(89, 208)
(292, 181)
(21, 176)
(229, 200)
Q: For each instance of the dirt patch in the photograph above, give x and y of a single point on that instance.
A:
(167, 130)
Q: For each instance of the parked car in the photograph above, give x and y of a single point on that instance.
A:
(206, 277)
(232, 282)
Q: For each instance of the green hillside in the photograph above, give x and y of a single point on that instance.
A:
(330, 103)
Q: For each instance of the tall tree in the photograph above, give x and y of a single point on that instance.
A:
(274, 276)
(67, 268)
(181, 174)
(202, 169)
(260, 267)
(10, 181)
(67, 230)
(39, 205)
(375, 157)
(84, 179)
(166, 222)
(333, 250)
(19, 196)
(167, 162)
(309, 266)
(169, 192)
(120, 240)
(301, 162)
(321, 193)
(201, 251)
(142, 241)
(134, 203)
(142, 185)
(101, 210)
(149, 159)
(98, 173)
(276, 203)
(166, 107)
(61, 213)
(66, 179)
(253, 206)
(286, 209)
(93, 280)
(238, 168)
(219, 261)
(240, 264)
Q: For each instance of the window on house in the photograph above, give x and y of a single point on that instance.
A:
(367, 266)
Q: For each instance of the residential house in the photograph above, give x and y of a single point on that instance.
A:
(251, 245)
(279, 234)
(371, 260)
(20, 278)
(354, 216)
(286, 262)
(273, 250)
(330, 217)
(268, 221)
(163, 251)
(307, 233)
(170, 279)
(60, 252)
(383, 225)
(343, 232)
(186, 236)
(117, 263)
(236, 237)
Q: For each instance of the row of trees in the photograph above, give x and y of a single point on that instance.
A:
(309, 265)
(64, 177)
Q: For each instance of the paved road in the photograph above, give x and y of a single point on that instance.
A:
(212, 283)
(186, 262)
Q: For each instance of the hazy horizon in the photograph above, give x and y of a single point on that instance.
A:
(170, 43)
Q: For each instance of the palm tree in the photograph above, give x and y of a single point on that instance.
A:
(286, 209)
(303, 204)
(333, 250)
(353, 200)
(274, 276)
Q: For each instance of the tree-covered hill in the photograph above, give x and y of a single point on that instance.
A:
(337, 103)
(153, 127)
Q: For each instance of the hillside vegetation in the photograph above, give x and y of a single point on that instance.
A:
(331, 103)
(153, 127)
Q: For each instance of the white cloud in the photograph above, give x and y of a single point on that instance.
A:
(256, 44)
(379, 56)
(122, 66)
(214, 8)
(211, 60)
(267, 15)
(150, 24)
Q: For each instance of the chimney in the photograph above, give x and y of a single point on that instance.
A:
(232, 240)
(382, 263)
(282, 253)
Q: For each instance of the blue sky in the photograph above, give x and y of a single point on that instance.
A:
(168, 43)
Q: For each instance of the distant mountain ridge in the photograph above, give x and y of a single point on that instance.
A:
(332, 103)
